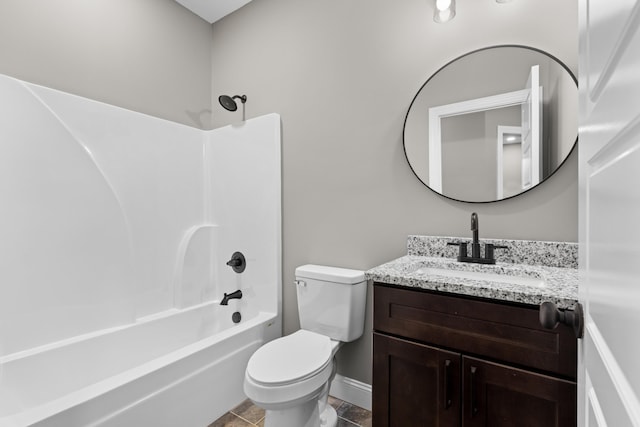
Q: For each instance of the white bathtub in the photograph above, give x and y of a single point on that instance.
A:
(180, 368)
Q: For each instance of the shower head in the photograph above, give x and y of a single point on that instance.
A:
(228, 102)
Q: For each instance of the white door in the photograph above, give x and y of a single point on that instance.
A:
(532, 130)
(609, 152)
(509, 167)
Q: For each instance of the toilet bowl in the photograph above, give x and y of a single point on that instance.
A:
(290, 377)
(292, 372)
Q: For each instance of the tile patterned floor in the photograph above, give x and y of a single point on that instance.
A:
(248, 415)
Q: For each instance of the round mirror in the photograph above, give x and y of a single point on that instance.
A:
(492, 123)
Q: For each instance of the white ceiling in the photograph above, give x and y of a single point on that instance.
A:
(212, 10)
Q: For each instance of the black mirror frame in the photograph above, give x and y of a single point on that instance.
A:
(573, 147)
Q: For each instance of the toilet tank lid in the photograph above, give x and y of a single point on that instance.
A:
(330, 274)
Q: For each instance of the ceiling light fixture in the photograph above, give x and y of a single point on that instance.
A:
(445, 11)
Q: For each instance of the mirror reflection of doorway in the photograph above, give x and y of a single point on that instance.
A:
(459, 166)
(532, 131)
(468, 151)
(509, 154)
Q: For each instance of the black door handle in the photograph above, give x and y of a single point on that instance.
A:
(550, 316)
(473, 392)
(447, 381)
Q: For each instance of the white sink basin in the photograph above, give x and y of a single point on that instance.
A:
(516, 279)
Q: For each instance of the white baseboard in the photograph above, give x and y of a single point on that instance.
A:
(352, 391)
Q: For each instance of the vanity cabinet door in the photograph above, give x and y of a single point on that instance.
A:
(497, 395)
(414, 384)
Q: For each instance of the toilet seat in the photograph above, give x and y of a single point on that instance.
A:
(290, 359)
(289, 369)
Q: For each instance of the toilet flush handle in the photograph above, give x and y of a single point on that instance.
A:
(301, 283)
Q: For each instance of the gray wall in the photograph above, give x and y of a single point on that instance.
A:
(468, 158)
(558, 97)
(342, 75)
(152, 56)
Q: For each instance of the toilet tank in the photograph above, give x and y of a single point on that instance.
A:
(331, 301)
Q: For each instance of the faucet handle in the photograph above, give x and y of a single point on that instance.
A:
(237, 262)
(489, 248)
(462, 252)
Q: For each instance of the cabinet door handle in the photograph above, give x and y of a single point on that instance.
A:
(447, 380)
(474, 397)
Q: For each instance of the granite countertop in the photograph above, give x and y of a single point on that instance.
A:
(553, 278)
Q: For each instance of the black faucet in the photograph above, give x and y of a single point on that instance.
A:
(233, 295)
(475, 244)
(475, 247)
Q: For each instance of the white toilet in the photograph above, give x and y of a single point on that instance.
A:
(290, 377)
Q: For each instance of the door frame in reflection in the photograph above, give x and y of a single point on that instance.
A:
(437, 114)
(503, 134)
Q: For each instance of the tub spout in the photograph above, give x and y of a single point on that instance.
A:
(233, 295)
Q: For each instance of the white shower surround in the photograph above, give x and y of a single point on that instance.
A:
(113, 220)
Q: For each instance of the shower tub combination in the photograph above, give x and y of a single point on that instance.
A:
(179, 369)
(112, 317)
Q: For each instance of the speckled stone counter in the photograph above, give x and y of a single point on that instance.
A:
(529, 252)
(547, 271)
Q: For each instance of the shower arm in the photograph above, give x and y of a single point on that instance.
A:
(243, 100)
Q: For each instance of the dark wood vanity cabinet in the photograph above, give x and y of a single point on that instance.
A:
(414, 384)
(443, 360)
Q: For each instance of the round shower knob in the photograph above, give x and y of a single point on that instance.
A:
(237, 262)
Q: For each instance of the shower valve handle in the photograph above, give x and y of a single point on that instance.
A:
(237, 262)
